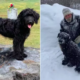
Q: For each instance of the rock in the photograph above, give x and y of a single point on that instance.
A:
(28, 69)
(28, 76)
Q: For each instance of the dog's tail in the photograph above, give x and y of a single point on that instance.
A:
(5, 56)
(1, 21)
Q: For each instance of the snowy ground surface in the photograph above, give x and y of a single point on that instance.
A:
(51, 55)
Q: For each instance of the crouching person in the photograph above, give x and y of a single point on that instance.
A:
(71, 25)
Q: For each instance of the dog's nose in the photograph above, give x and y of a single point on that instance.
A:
(30, 21)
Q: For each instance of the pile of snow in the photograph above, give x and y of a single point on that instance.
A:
(51, 55)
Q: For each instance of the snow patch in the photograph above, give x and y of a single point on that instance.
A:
(51, 55)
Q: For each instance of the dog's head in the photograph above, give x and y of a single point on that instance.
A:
(63, 37)
(28, 17)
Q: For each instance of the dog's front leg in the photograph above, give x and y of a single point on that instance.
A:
(22, 47)
(17, 49)
(78, 64)
(65, 61)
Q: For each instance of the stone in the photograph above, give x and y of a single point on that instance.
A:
(28, 76)
(28, 69)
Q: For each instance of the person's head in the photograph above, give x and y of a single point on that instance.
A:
(67, 14)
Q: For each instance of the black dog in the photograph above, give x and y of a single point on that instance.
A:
(19, 30)
(70, 50)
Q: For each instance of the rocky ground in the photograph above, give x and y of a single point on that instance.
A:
(28, 69)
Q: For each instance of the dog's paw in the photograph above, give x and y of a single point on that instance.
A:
(24, 55)
(64, 62)
(19, 57)
(70, 64)
(77, 69)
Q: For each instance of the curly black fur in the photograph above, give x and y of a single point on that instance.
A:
(18, 30)
(70, 50)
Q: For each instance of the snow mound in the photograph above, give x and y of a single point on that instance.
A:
(51, 55)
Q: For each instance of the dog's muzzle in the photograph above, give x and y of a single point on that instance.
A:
(61, 41)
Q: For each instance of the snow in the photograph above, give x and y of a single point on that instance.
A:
(51, 55)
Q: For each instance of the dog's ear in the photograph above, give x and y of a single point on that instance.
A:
(36, 17)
